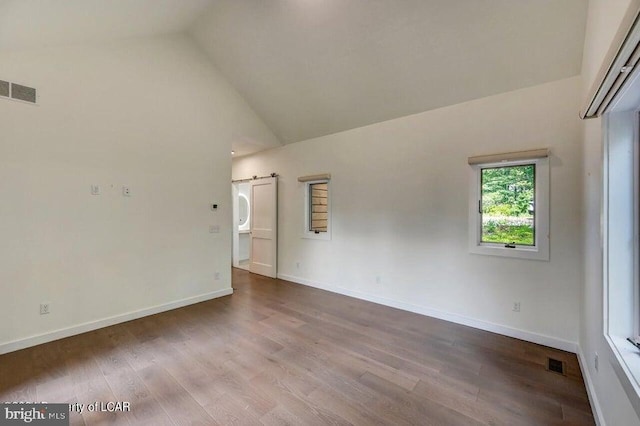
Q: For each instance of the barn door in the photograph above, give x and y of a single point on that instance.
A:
(264, 226)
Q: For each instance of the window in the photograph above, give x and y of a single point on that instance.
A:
(318, 207)
(317, 223)
(620, 258)
(507, 204)
(615, 237)
(509, 213)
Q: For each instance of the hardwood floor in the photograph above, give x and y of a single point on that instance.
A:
(278, 353)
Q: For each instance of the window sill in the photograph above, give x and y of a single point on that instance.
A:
(625, 360)
(518, 253)
(313, 236)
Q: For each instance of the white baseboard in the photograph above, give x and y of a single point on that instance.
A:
(106, 322)
(529, 336)
(591, 391)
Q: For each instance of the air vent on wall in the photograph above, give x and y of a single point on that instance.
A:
(18, 92)
(4, 88)
(23, 93)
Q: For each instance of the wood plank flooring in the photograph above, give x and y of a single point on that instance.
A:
(278, 353)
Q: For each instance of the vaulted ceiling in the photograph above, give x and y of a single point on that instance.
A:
(26, 24)
(315, 67)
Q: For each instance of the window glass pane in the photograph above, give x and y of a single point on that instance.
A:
(318, 209)
(507, 205)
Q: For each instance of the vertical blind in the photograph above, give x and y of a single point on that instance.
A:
(319, 196)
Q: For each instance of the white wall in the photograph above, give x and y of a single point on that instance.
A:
(603, 22)
(149, 113)
(411, 177)
(244, 243)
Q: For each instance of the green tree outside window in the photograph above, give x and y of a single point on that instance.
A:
(508, 205)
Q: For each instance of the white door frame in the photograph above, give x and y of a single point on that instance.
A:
(235, 259)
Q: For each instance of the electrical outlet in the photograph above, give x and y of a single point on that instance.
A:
(216, 276)
(214, 229)
(378, 279)
(44, 308)
(297, 265)
(95, 189)
(126, 191)
(516, 306)
(595, 361)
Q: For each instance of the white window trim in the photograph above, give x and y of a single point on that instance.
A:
(540, 251)
(620, 320)
(306, 233)
(619, 204)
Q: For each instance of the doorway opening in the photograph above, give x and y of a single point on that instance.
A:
(241, 224)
